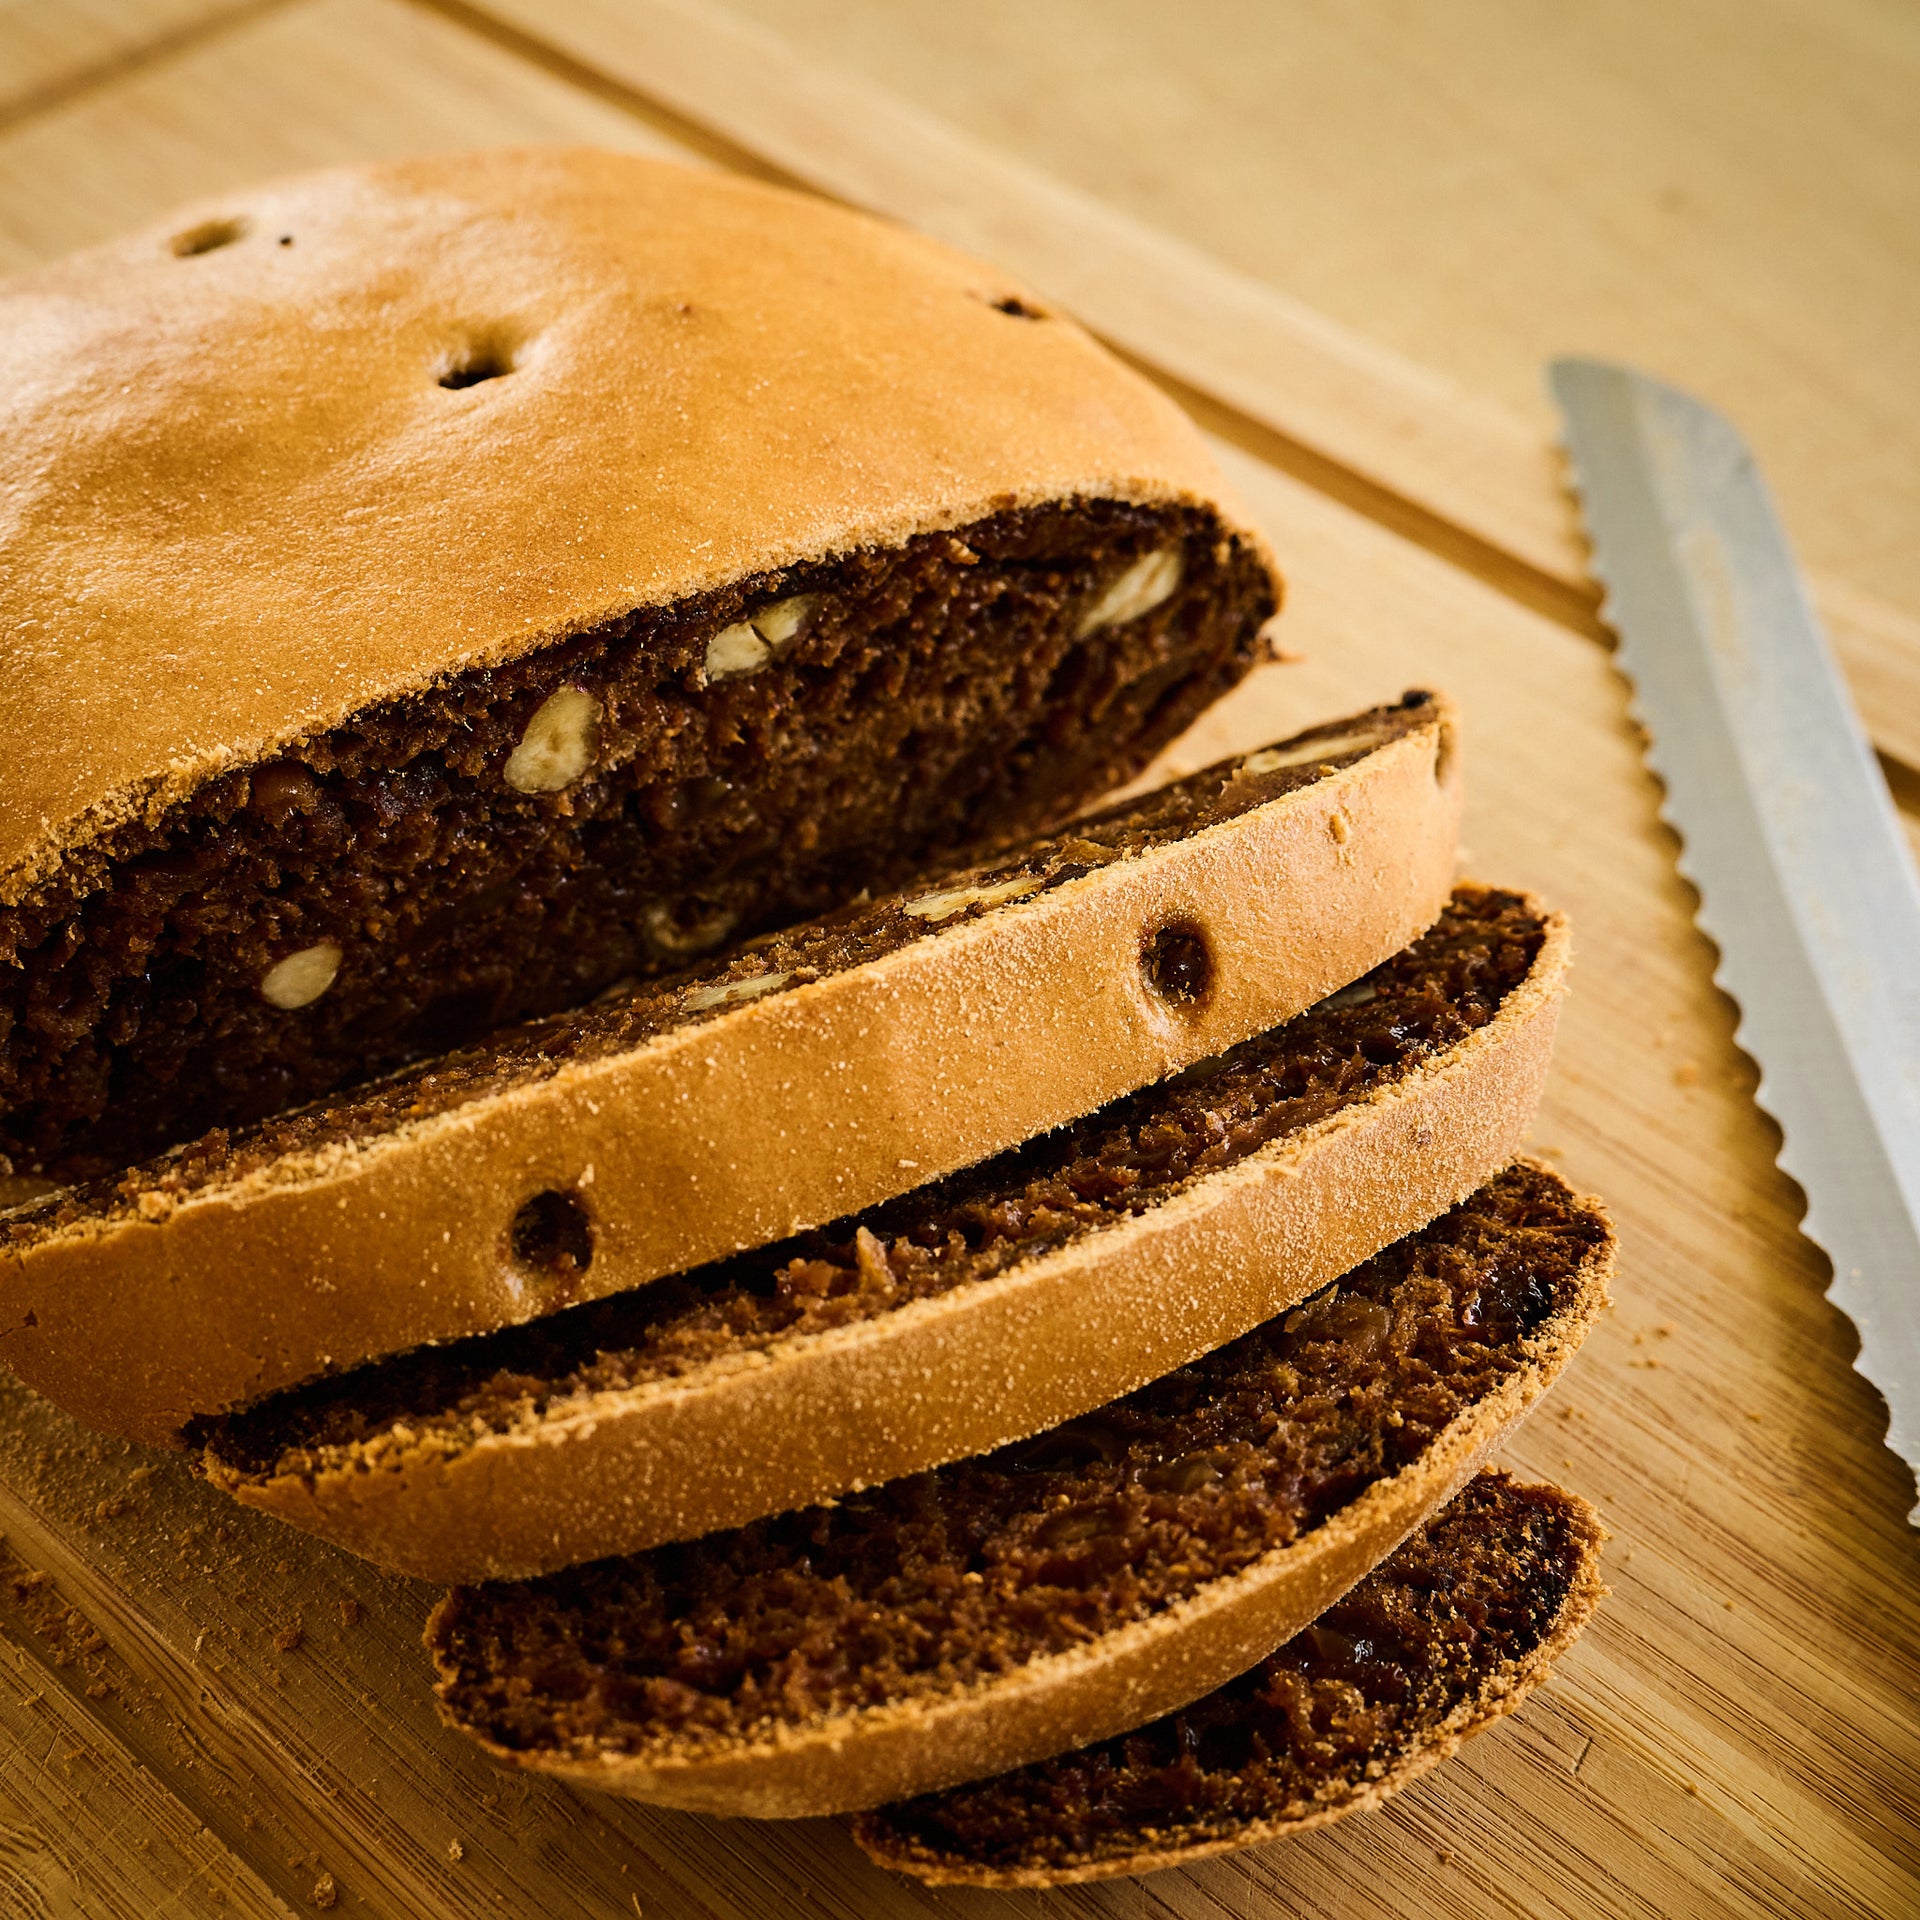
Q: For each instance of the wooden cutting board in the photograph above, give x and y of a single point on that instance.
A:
(202, 1712)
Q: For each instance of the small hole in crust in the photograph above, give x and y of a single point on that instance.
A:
(486, 354)
(552, 1235)
(476, 363)
(1012, 305)
(207, 237)
(1177, 964)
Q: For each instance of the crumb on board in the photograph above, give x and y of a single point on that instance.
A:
(349, 1611)
(326, 1894)
(289, 1637)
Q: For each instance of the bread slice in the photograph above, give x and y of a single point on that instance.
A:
(953, 1624)
(822, 1070)
(987, 1306)
(432, 591)
(1447, 1635)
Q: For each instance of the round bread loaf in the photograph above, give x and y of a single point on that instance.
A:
(429, 591)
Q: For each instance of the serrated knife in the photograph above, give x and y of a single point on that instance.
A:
(1806, 882)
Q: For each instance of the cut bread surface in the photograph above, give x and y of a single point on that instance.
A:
(435, 589)
(952, 1624)
(952, 1319)
(1446, 1636)
(389, 891)
(822, 1070)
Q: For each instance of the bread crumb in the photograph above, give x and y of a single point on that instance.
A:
(456, 1852)
(349, 1611)
(289, 1637)
(325, 1893)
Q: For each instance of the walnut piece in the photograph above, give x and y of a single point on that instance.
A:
(301, 978)
(1142, 587)
(748, 645)
(725, 992)
(943, 906)
(558, 745)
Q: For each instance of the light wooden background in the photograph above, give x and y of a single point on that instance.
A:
(202, 1714)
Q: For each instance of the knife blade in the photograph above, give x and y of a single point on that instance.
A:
(1806, 882)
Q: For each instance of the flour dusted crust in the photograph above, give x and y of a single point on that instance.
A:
(963, 1371)
(241, 506)
(847, 1761)
(781, 1112)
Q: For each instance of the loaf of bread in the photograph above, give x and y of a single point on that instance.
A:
(950, 1625)
(821, 1070)
(563, 1021)
(1447, 1635)
(433, 591)
(968, 1313)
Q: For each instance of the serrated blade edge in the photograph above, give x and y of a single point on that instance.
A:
(1806, 882)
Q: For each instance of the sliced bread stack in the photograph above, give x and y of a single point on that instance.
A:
(1011, 1354)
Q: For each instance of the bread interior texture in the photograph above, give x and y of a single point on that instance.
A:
(512, 840)
(1131, 1156)
(1442, 1636)
(927, 1585)
(628, 1016)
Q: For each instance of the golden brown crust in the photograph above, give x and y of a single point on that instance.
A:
(1502, 1692)
(780, 1113)
(964, 1371)
(1120, 1680)
(241, 506)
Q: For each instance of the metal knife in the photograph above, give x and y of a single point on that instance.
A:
(1806, 881)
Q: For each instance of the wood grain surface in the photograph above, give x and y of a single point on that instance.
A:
(1727, 192)
(200, 1712)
